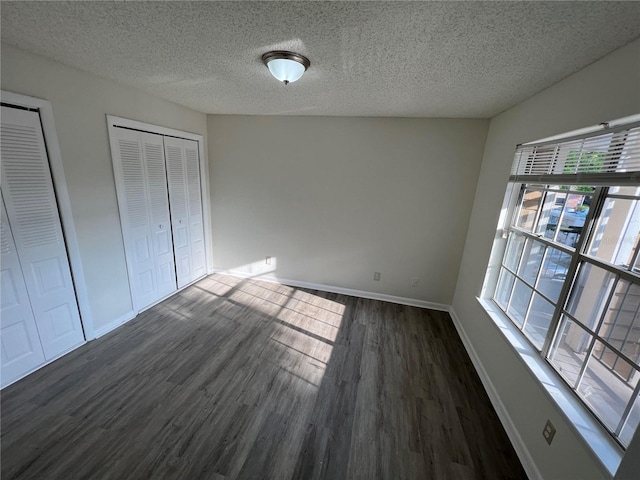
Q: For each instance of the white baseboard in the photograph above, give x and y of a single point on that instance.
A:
(341, 290)
(99, 332)
(519, 446)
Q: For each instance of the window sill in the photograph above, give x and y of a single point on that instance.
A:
(604, 449)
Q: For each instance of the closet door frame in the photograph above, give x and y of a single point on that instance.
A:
(62, 196)
(115, 121)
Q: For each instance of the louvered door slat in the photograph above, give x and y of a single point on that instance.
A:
(32, 212)
(178, 201)
(132, 173)
(178, 190)
(158, 200)
(196, 228)
(26, 179)
(131, 187)
(193, 178)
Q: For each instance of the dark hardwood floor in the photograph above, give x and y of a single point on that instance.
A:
(245, 379)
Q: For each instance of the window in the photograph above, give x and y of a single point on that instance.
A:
(569, 277)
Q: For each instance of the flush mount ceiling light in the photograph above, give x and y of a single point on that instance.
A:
(286, 66)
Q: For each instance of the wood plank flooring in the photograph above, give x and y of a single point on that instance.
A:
(242, 379)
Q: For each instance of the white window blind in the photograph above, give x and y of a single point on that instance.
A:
(611, 156)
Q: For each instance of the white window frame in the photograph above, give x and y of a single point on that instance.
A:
(601, 444)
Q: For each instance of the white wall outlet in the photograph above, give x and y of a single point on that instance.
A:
(415, 281)
(376, 276)
(268, 261)
(549, 431)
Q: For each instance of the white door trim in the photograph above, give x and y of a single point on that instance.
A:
(115, 121)
(62, 196)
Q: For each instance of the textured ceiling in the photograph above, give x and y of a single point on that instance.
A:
(427, 59)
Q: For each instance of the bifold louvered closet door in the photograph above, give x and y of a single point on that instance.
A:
(183, 171)
(39, 317)
(158, 186)
(138, 160)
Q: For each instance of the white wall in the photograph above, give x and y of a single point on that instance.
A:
(80, 102)
(334, 200)
(605, 90)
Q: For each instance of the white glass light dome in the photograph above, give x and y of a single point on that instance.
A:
(287, 67)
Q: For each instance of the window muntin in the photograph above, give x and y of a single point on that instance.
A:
(529, 294)
(563, 213)
(589, 295)
(554, 272)
(577, 300)
(567, 353)
(539, 319)
(615, 239)
(519, 302)
(603, 390)
(631, 424)
(529, 207)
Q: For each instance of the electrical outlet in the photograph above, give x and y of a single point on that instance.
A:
(549, 431)
(376, 276)
(415, 281)
(268, 261)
